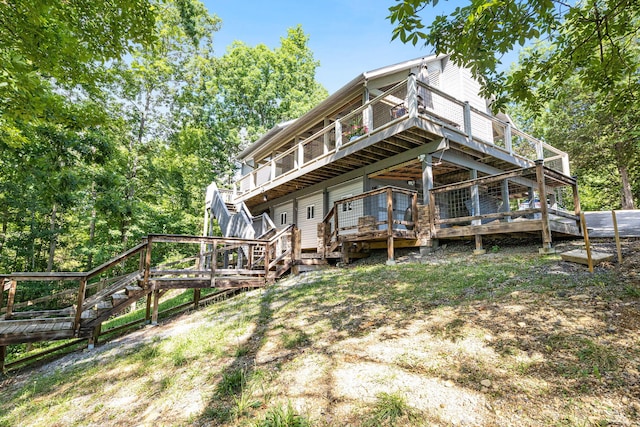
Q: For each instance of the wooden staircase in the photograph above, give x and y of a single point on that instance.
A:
(102, 294)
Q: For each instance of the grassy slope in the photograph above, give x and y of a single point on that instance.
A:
(495, 340)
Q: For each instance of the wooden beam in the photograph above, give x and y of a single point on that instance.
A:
(79, 304)
(156, 303)
(542, 191)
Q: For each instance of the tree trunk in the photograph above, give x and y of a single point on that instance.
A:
(133, 169)
(3, 234)
(627, 193)
(52, 241)
(92, 226)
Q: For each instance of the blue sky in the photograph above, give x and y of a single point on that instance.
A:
(348, 37)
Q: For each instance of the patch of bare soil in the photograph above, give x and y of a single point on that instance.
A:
(562, 349)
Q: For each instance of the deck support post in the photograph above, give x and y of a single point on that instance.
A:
(267, 261)
(390, 253)
(507, 139)
(296, 247)
(544, 213)
(506, 207)
(156, 300)
(147, 313)
(427, 186)
(11, 298)
(475, 199)
(479, 249)
(80, 302)
(93, 339)
(196, 298)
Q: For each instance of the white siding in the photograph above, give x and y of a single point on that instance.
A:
(458, 82)
(282, 211)
(309, 226)
(348, 214)
(482, 128)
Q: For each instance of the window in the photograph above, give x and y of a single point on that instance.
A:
(347, 206)
(283, 218)
(310, 212)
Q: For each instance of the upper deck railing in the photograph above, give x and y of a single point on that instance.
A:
(409, 98)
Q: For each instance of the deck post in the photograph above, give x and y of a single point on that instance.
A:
(267, 248)
(427, 176)
(475, 199)
(214, 265)
(367, 118)
(414, 212)
(156, 300)
(390, 253)
(467, 121)
(296, 249)
(93, 339)
(338, 135)
(326, 139)
(80, 301)
(506, 207)
(272, 167)
(479, 249)
(507, 139)
(412, 96)
(145, 280)
(11, 298)
(300, 156)
(147, 263)
(196, 298)
(147, 313)
(542, 192)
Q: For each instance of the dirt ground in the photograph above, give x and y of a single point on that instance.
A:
(565, 356)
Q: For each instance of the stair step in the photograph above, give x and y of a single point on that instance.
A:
(119, 297)
(132, 289)
(89, 314)
(312, 261)
(304, 268)
(104, 305)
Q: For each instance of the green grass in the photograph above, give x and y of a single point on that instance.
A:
(283, 416)
(389, 408)
(455, 322)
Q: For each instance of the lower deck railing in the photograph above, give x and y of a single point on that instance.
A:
(387, 212)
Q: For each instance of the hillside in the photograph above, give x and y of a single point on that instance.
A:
(508, 338)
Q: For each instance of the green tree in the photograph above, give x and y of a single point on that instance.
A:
(259, 87)
(62, 44)
(595, 40)
(604, 148)
(589, 64)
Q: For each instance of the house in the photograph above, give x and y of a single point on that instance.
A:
(404, 155)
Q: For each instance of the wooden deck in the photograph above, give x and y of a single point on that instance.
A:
(220, 263)
(33, 330)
